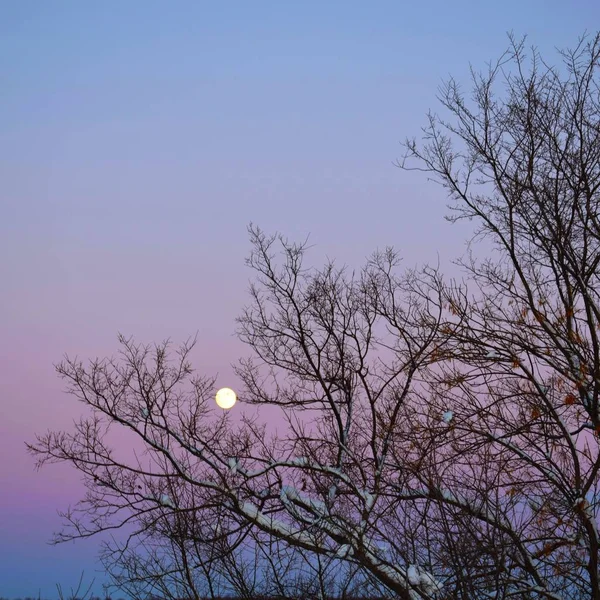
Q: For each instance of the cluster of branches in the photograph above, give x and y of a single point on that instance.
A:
(441, 438)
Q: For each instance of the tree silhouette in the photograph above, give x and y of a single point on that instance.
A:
(441, 438)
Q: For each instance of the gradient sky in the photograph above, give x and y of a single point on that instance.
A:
(137, 141)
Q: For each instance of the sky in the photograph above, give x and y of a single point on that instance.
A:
(137, 142)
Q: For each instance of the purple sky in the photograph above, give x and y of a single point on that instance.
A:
(139, 139)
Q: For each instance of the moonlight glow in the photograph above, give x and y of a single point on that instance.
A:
(225, 398)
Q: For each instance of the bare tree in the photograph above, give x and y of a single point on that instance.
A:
(440, 439)
(77, 593)
(521, 157)
(342, 385)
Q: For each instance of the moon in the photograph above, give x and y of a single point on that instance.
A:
(225, 398)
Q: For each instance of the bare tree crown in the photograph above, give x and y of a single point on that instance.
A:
(441, 439)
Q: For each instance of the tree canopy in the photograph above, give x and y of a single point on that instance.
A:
(442, 437)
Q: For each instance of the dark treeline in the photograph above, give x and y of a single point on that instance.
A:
(228, 597)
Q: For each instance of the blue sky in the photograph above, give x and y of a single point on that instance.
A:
(139, 139)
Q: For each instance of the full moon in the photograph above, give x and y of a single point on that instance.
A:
(225, 398)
